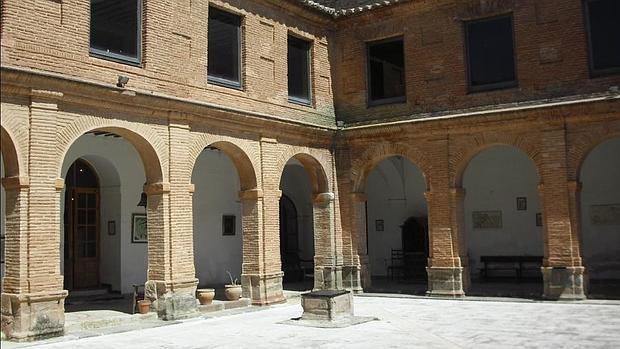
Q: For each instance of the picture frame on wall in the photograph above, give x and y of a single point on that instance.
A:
(521, 203)
(228, 225)
(539, 219)
(379, 225)
(111, 228)
(139, 232)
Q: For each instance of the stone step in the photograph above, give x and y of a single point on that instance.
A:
(218, 305)
(97, 319)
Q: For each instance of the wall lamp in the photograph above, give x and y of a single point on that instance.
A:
(122, 81)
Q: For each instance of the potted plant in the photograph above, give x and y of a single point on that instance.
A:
(144, 306)
(205, 295)
(233, 290)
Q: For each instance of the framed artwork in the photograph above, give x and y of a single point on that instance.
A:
(111, 227)
(521, 204)
(487, 219)
(138, 228)
(228, 225)
(379, 225)
(539, 219)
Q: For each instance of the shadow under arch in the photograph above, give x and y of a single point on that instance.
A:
(9, 154)
(150, 159)
(362, 178)
(241, 161)
(463, 164)
(315, 171)
(585, 153)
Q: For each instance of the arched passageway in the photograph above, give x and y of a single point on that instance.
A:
(503, 223)
(600, 218)
(217, 215)
(397, 226)
(296, 227)
(104, 219)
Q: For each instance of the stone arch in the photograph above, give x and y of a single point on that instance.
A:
(239, 157)
(10, 156)
(461, 159)
(363, 165)
(147, 143)
(314, 168)
(584, 146)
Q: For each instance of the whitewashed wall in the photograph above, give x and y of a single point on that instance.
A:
(492, 181)
(600, 177)
(395, 190)
(216, 193)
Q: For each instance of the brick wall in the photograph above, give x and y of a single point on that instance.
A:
(550, 47)
(53, 36)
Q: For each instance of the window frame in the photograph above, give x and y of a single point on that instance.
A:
(594, 73)
(496, 85)
(390, 100)
(115, 57)
(293, 99)
(218, 81)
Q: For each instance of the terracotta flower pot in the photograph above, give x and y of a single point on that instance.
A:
(144, 306)
(232, 292)
(205, 295)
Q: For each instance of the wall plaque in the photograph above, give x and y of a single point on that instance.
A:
(487, 219)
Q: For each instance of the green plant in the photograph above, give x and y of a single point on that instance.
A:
(233, 281)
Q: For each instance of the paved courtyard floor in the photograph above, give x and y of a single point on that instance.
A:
(403, 323)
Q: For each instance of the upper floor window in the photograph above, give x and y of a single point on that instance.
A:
(224, 42)
(490, 53)
(386, 71)
(603, 23)
(298, 70)
(115, 29)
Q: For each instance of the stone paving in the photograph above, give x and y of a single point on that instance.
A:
(403, 323)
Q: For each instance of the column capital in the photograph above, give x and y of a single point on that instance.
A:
(45, 99)
(157, 188)
(457, 192)
(359, 197)
(17, 182)
(323, 198)
(574, 186)
(428, 195)
(191, 188)
(252, 194)
(59, 184)
(541, 188)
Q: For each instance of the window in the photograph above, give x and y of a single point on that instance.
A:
(224, 56)
(386, 71)
(490, 54)
(298, 70)
(603, 24)
(115, 29)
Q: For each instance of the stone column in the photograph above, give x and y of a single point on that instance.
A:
(175, 293)
(170, 287)
(257, 286)
(445, 273)
(270, 278)
(33, 296)
(457, 206)
(562, 268)
(574, 197)
(327, 271)
(363, 278)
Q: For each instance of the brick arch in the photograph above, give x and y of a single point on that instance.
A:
(150, 146)
(364, 164)
(316, 165)
(10, 156)
(582, 147)
(461, 158)
(241, 160)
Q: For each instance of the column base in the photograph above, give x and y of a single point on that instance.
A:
(352, 278)
(172, 300)
(263, 289)
(563, 283)
(327, 278)
(33, 316)
(445, 282)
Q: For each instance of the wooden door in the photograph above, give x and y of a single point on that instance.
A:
(85, 238)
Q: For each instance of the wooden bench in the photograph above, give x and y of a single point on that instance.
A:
(518, 264)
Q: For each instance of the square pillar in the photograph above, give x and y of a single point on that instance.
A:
(327, 271)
